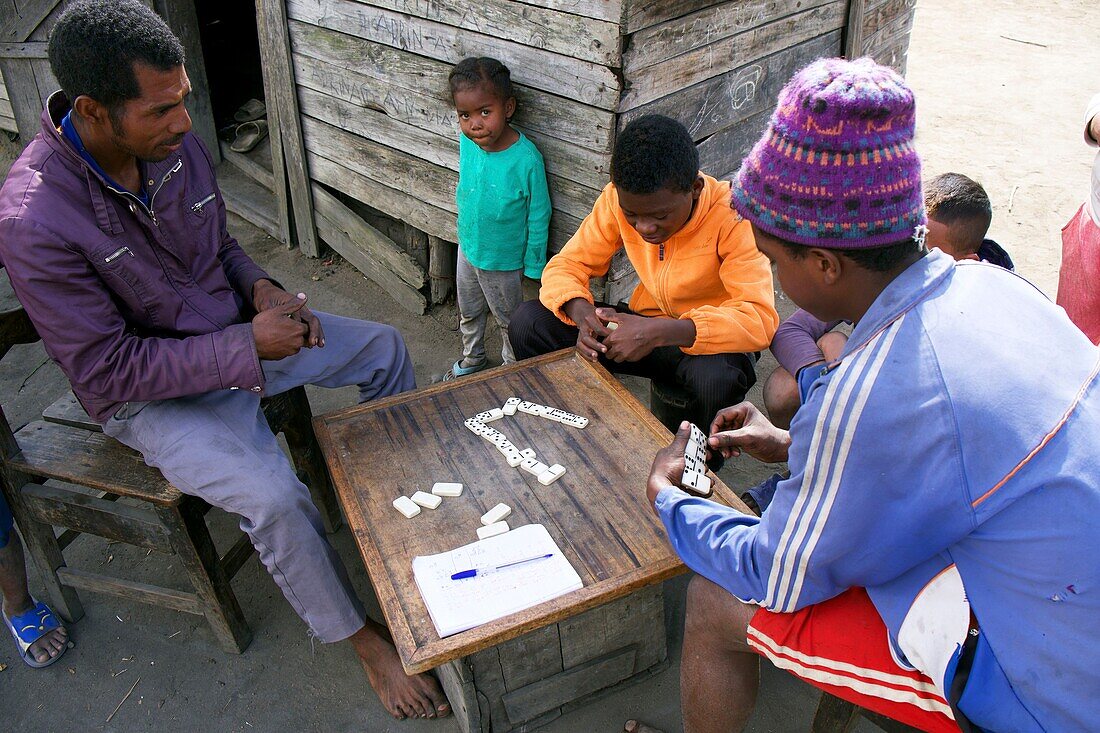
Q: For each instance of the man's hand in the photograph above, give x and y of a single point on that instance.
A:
(279, 331)
(742, 428)
(267, 295)
(590, 329)
(668, 464)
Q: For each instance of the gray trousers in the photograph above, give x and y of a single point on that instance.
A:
(479, 292)
(218, 446)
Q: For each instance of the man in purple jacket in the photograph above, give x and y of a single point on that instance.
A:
(113, 233)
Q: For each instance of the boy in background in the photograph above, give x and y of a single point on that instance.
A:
(705, 301)
(503, 208)
(959, 215)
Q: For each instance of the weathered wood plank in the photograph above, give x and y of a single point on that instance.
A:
(717, 103)
(397, 169)
(546, 29)
(248, 199)
(276, 57)
(26, 102)
(24, 50)
(131, 589)
(334, 236)
(853, 29)
(657, 81)
(8, 123)
(609, 10)
(372, 243)
(114, 520)
(280, 186)
(89, 459)
(6, 110)
(442, 268)
(705, 28)
(721, 153)
(252, 163)
(420, 214)
(414, 89)
(28, 15)
(590, 83)
(539, 697)
(646, 13)
(561, 159)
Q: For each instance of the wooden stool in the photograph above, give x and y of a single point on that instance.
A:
(840, 716)
(68, 446)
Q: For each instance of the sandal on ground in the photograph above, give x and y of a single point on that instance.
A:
(251, 110)
(29, 627)
(457, 370)
(249, 136)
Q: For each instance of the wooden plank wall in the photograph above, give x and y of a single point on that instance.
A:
(378, 120)
(7, 116)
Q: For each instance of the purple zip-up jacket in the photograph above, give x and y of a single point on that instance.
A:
(134, 304)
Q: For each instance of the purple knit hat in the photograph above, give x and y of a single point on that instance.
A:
(836, 167)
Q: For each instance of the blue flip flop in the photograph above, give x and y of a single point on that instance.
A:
(457, 370)
(31, 626)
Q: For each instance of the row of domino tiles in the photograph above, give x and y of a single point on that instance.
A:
(493, 520)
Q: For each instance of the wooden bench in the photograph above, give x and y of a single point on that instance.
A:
(67, 446)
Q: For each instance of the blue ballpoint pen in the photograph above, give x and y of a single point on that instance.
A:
(485, 571)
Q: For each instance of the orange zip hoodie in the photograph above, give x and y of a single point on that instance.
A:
(710, 272)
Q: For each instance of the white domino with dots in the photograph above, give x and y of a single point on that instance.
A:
(527, 453)
(406, 506)
(551, 474)
(492, 530)
(445, 488)
(529, 408)
(510, 405)
(426, 500)
(496, 514)
(694, 478)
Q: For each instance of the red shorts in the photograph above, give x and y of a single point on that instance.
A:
(841, 646)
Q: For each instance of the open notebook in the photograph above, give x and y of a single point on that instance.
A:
(457, 605)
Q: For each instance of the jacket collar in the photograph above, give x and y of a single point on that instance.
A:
(57, 106)
(907, 290)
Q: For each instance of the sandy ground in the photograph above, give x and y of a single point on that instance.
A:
(1001, 89)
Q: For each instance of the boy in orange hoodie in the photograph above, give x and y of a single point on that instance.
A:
(705, 302)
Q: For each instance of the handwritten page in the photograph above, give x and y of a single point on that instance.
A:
(458, 605)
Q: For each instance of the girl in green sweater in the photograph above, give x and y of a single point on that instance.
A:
(503, 208)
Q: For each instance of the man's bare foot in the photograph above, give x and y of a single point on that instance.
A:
(403, 696)
(50, 645)
(634, 726)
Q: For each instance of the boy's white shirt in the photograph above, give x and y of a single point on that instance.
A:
(1094, 194)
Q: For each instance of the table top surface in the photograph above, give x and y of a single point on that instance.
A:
(597, 512)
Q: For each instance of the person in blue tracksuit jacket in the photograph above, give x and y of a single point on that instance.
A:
(935, 553)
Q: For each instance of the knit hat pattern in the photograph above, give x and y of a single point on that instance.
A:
(836, 167)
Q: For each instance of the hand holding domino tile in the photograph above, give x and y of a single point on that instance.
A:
(744, 429)
(669, 465)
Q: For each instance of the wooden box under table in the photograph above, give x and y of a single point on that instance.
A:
(525, 669)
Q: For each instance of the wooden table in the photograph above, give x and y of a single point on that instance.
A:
(597, 512)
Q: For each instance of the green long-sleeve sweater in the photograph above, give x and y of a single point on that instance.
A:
(503, 207)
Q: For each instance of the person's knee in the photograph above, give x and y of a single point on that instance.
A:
(781, 396)
(832, 344)
(278, 500)
(715, 615)
(718, 376)
(521, 327)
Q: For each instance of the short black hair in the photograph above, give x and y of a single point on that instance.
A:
(95, 44)
(875, 259)
(956, 200)
(654, 152)
(478, 70)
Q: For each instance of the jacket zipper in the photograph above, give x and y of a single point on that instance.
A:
(149, 209)
(197, 207)
(118, 253)
(661, 252)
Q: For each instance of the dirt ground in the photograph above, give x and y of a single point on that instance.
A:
(1001, 87)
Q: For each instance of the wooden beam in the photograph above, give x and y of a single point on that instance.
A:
(278, 65)
(135, 591)
(354, 252)
(24, 50)
(853, 30)
(26, 102)
(84, 513)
